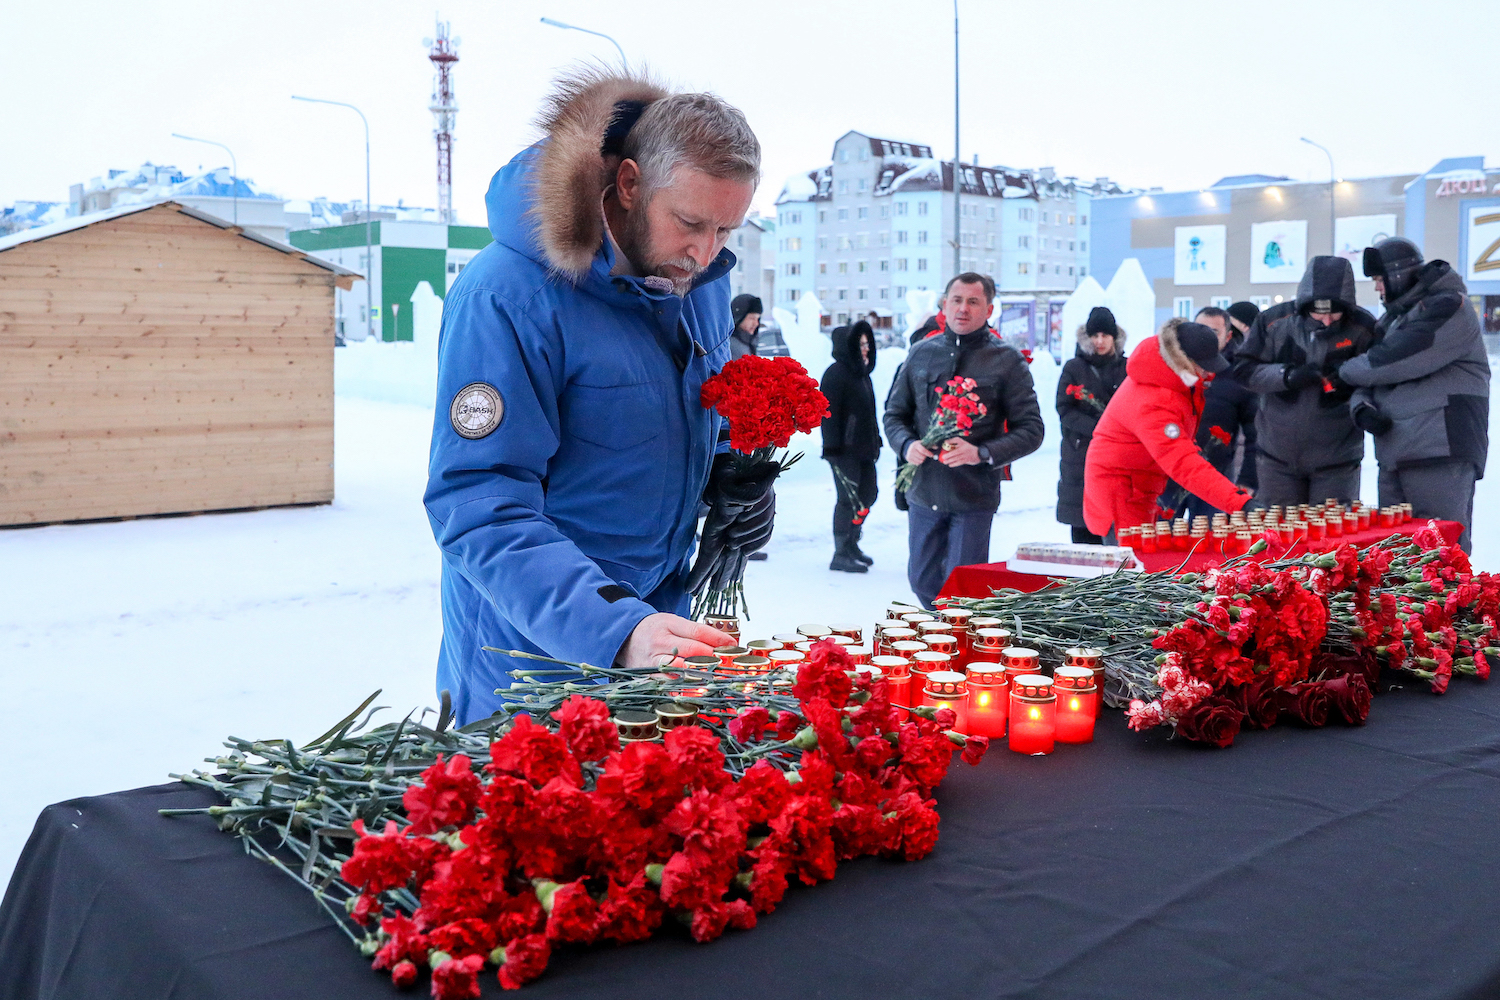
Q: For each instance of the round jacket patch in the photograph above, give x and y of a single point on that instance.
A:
(477, 410)
(1171, 430)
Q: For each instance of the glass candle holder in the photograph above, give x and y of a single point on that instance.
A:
(1220, 543)
(636, 726)
(760, 647)
(957, 617)
(853, 632)
(806, 645)
(984, 621)
(989, 699)
(1181, 539)
(859, 654)
(891, 636)
(1333, 524)
(925, 629)
(1406, 513)
(1366, 517)
(674, 714)
(1019, 660)
(943, 643)
(1316, 528)
(948, 689)
(1033, 714)
(728, 624)
(814, 631)
(897, 673)
(787, 639)
(1074, 690)
(706, 663)
(913, 618)
(896, 609)
(726, 654)
(908, 648)
(839, 640)
(927, 662)
(1130, 537)
(1092, 658)
(784, 659)
(1351, 523)
(1242, 541)
(1148, 539)
(751, 664)
(989, 643)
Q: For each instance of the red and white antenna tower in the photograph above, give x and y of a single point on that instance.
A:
(445, 110)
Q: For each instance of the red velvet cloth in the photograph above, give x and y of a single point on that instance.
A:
(979, 580)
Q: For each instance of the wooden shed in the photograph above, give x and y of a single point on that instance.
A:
(157, 360)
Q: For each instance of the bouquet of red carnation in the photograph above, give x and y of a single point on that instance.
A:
(765, 401)
(1081, 394)
(953, 417)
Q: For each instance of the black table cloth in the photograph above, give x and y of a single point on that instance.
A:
(1336, 863)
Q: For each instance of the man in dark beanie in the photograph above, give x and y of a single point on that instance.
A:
(1146, 435)
(1308, 448)
(746, 311)
(1424, 387)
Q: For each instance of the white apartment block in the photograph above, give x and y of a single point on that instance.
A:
(878, 222)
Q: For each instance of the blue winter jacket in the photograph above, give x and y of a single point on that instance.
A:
(574, 518)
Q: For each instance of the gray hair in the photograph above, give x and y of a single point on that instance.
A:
(700, 131)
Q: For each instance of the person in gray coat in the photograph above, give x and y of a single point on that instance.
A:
(1308, 447)
(1424, 388)
(952, 501)
(746, 311)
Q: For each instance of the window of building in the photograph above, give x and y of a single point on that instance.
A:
(1261, 301)
(843, 156)
(1070, 272)
(864, 153)
(739, 239)
(885, 238)
(862, 294)
(992, 213)
(792, 294)
(864, 212)
(843, 294)
(822, 215)
(900, 263)
(1023, 268)
(1083, 272)
(861, 240)
(1182, 306)
(921, 263)
(843, 187)
(792, 269)
(1070, 244)
(901, 235)
(794, 243)
(1044, 218)
(864, 185)
(885, 293)
(844, 242)
(1083, 220)
(901, 207)
(989, 266)
(861, 266)
(843, 267)
(989, 241)
(843, 215)
(921, 208)
(921, 236)
(1024, 242)
(900, 291)
(822, 243)
(843, 318)
(822, 267)
(739, 265)
(1024, 214)
(795, 218)
(1219, 301)
(885, 211)
(1083, 245)
(885, 264)
(823, 294)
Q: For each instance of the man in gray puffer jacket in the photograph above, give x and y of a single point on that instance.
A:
(1424, 387)
(1309, 449)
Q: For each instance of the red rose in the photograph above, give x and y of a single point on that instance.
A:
(1308, 703)
(1260, 703)
(525, 959)
(585, 724)
(1351, 697)
(1214, 720)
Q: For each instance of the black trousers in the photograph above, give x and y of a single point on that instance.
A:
(861, 475)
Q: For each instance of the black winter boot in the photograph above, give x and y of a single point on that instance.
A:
(843, 559)
(854, 549)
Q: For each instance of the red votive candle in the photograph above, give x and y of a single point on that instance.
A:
(727, 624)
(1074, 689)
(788, 640)
(1351, 523)
(913, 618)
(1093, 659)
(814, 631)
(948, 689)
(924, 663)
(751, 664)
(989, 643)
(989, 699)
(1019, 660)
(1147, 539)
(1406, 513)
(785, 659)
(859, 654)
(897, 673)
(760, 647)
(891, 636)
(1333, 524)
(942, 643)
(726, 654)
(853, 632)
(1387, 517)
(1317, 529)
(1033, 713)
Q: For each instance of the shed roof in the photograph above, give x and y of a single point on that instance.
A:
(84, 221)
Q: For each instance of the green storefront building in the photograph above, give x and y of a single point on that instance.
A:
(406, 254)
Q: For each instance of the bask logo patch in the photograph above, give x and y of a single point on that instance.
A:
(477, 410)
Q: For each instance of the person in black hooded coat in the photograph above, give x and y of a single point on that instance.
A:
(1097, 368)
(851, 440)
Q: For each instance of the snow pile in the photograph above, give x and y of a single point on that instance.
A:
(398, 372)
(1133, 301)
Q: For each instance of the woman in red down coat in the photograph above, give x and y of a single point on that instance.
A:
(1145, 436)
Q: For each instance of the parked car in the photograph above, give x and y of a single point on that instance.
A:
(769, 342)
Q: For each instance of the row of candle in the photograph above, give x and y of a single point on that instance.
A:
(1235, 533)
(949, 659)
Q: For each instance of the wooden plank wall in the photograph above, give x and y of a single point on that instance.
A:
(157, 364)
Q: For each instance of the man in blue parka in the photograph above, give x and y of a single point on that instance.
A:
(570, 452)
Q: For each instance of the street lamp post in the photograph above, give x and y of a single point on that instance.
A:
(624, 63)
(1332, 239)
(234, 167)
(369, 254)
(958, 162)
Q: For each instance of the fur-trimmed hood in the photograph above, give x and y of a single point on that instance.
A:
(571, 173)
(1161, 361)
(1086, 346)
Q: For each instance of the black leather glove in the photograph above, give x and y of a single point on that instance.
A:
(1372, 421)
(741, 512)
(1301, 376)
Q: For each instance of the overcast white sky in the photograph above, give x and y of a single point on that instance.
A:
(1170, 93)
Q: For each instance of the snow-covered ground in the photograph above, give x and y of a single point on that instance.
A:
(129, 650)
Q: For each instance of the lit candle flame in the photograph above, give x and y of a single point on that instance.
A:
(984, 699)
(1073, 704)
(1036, 713)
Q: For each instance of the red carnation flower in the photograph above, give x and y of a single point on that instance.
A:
(457, 978)
(750, 725)
(574, 914)
(585, 725)
(403, 975)
(532, 752)
(379, 863)
(525, 959)
(446, 797)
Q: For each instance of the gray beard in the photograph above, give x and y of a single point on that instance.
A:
(635, 244)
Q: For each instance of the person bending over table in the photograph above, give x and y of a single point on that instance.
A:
(1146, 435)
(570, 452)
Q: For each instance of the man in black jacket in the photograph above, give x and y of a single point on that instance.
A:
(1425, 387)
(851, 441)
(1228, 407)
(1309, 448)
(956, 493)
